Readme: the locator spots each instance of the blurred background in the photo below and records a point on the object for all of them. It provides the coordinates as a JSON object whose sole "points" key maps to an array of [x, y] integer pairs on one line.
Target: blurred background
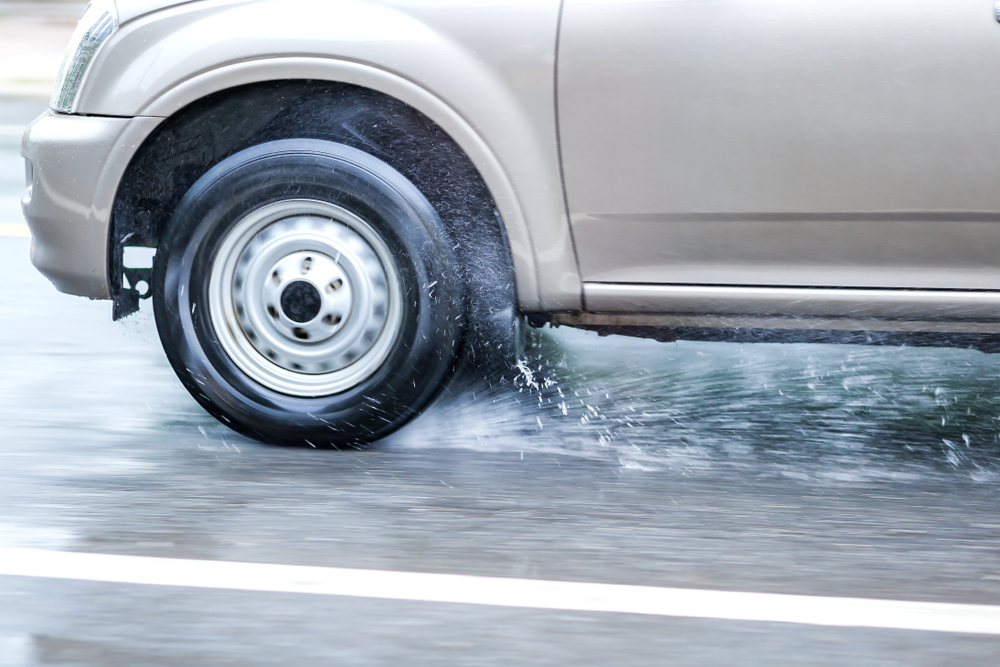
{"points": [[871, 472], [34, 35]]}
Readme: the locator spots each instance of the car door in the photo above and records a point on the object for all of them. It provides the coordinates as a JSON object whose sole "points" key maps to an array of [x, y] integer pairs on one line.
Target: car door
{"points": [[783, 142]]}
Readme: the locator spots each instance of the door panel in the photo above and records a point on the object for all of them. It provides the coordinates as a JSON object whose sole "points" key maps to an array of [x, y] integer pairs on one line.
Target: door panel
{"points": [[783, 142]]}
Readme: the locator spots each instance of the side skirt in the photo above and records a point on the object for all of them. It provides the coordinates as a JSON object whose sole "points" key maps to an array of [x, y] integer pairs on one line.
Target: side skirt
{"points": [[938, 318]]}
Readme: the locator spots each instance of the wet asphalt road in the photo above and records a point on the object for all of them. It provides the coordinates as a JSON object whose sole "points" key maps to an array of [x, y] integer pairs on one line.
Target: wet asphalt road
{"points": [[826, 470]]}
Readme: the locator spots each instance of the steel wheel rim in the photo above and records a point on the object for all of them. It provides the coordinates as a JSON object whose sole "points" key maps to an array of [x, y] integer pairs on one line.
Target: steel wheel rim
{"points": [[347, 287]]}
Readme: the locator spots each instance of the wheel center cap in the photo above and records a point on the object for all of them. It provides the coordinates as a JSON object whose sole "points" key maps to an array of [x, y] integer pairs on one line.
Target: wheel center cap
{"points": [[301, 301]]}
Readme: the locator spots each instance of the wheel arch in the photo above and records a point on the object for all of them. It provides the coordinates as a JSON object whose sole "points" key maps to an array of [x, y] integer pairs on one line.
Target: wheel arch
{"points": [[204, 125], [536, 290]]}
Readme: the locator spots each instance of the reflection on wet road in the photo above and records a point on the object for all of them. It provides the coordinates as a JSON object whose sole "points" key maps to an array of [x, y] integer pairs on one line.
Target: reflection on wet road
{"points": [[812, 470]]}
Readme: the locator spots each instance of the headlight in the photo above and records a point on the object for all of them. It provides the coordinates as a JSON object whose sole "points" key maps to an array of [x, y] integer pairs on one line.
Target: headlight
{"points": [[98, 23]]}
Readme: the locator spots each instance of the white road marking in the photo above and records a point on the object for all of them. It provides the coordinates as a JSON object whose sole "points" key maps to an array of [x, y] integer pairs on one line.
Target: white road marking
{"points": [[14, 229], [503, 592]]}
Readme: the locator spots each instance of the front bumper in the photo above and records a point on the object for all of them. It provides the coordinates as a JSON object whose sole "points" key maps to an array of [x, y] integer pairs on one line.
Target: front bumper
{"points": [[75, 164]]}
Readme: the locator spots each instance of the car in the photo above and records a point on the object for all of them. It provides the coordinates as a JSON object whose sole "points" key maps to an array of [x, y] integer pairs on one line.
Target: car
{"points": [[331, 202]]}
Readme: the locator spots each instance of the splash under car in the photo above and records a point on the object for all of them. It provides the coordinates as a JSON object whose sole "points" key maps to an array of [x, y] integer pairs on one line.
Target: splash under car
{"points": [[343, 197]]}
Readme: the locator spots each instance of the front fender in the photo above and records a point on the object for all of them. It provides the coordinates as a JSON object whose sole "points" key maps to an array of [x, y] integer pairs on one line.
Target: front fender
{"points": [[483, 71]]}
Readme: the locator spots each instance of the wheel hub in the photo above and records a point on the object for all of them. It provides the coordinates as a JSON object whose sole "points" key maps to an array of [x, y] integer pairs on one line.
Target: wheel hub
{"points": [[308, 296], [300, 301]]}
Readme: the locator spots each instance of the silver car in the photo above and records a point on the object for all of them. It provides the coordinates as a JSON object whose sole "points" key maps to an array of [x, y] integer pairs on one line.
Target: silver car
{"points": [[347, 197]]}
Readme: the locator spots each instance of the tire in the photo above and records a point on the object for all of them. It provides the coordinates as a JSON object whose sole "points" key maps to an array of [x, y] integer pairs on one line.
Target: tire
{"points": [[305, 292]]}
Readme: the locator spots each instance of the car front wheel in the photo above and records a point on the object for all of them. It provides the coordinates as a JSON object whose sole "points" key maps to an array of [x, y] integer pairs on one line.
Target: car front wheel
{"points": [[306, 292]]}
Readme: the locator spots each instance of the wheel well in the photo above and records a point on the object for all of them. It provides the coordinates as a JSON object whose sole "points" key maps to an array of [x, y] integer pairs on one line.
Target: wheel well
{"points": [[189, 143]]}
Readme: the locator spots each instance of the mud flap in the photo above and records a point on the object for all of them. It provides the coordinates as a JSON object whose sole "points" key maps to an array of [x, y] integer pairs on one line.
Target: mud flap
{"points": [[126, 301]]}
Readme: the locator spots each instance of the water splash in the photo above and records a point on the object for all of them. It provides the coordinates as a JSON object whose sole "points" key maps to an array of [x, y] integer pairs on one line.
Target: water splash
{"points": [[832, 413]]}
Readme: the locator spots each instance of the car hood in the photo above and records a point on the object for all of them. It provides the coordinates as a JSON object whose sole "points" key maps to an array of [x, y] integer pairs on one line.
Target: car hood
{"points": [[130, 9]]}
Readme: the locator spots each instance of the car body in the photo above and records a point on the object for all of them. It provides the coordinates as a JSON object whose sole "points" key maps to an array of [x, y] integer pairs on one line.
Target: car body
{"points": [[669, 168]]}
